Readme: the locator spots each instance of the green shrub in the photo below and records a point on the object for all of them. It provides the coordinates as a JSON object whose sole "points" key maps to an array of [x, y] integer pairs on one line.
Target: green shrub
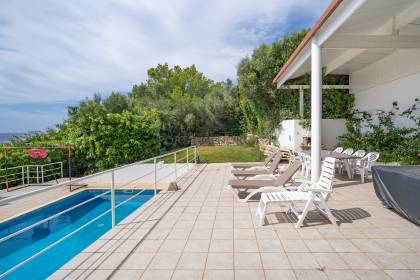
{"points": [[395, 144]]}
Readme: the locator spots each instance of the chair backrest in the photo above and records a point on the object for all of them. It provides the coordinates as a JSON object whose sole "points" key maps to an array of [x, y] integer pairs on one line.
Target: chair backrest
{"points": [[348, 151], [338, 150], [276, 161], [370, 158], [359, 153], [326, 178]]}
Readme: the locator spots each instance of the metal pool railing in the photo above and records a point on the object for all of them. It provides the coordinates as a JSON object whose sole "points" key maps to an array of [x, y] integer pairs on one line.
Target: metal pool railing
{"points": [[32, 173], [172, 169]]}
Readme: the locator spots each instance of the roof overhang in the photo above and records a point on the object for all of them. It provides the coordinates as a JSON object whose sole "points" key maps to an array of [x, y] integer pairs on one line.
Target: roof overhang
{"points": [[355, 33]]}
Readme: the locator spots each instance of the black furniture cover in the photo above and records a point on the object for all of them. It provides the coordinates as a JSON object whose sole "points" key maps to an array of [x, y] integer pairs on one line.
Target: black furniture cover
{"points": [[398, 187]]}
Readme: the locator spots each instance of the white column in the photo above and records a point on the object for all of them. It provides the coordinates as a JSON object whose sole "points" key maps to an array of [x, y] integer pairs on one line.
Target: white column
{"points": [[301, 104], [316, 109]]}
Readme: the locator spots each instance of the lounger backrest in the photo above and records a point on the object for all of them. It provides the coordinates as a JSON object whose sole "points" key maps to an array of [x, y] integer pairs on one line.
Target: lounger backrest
{"points": [[287, 174], [338, 150], [269, 158], [275, 163], [325, 181]]}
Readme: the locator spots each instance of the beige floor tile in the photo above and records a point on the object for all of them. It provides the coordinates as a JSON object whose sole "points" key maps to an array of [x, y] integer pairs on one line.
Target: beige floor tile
{"points": [[343, 246], [302, 261], [270, 246], [148, 246], [222, 234], [372, 274], [330, 261], [219, 261], [128, 274], [392, 246], [288, 234], [341, 275], [387, 260], [192, 261], [309, 234], [201, 234], [137, 261], [411, 260], [358, 261], [249, 274], [179, 234], [244, 234], [294, 245], [267, 234], [402, 274], [280, 275], [164, 261], [197, 246], [318, 245], [367, 245], [245, 246], [275, 261], [330, 233], [172, 246], [221, 246], [187, 275], [157, 274], [219, 274], [112, 261], [310, 274], [247, 261]]}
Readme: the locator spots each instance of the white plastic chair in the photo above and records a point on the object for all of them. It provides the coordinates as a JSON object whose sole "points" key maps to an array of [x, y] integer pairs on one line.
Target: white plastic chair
{"points": [[338, 150], [316, 194], [363, 166], [306, 164], [360, 154]]}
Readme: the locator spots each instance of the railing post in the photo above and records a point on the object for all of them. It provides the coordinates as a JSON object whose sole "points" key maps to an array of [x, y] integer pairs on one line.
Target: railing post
{"points": [[62, 171], [154, 164], [188, 161], [27, 174], [37, 174], [42, 173], [195, 154], [175, 166], [113, 199], [23, 175]]}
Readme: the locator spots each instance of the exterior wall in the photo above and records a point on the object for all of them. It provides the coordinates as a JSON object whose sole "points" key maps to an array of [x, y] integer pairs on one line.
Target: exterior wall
{"points": [[396, 77], [290, 133]]}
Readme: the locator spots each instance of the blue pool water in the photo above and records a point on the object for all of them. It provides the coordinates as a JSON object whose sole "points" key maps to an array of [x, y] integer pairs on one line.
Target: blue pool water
{"points": [[19, 248]]}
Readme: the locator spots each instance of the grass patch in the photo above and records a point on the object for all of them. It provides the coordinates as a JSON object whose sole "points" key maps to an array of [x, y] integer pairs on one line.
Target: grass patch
{"points": [[240, 153]]}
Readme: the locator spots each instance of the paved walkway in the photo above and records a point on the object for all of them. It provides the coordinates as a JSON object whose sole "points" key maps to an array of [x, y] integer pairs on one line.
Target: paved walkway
{"points": [[201, 232]]}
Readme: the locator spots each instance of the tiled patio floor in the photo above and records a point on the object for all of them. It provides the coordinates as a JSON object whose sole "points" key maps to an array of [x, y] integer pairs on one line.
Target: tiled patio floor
{"points": [[201, 232]]}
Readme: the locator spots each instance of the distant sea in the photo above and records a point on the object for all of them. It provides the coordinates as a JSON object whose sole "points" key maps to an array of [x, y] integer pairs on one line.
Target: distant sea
{"points": [[6, 137]]}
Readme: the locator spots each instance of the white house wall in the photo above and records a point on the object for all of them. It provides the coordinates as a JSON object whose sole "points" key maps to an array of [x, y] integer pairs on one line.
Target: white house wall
{"points": [[290, 133], [393, 78]]}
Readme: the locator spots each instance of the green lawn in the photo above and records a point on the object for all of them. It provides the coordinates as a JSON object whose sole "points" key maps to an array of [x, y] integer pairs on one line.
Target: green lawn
{"points": [[240, 153]]}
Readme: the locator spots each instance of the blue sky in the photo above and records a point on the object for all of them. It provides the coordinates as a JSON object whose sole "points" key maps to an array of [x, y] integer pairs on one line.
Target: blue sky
{"points": [[54, 53]]}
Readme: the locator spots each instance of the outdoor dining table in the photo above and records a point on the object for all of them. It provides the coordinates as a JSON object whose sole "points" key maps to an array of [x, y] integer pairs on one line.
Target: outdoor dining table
{"points": [[345, 158]]}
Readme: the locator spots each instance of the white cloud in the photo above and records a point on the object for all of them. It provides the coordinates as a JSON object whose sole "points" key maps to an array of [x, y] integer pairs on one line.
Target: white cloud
{"points": [[65, 50]]}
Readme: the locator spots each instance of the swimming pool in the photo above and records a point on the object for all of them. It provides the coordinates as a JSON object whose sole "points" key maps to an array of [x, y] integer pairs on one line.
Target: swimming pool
{"points": [[24, 245]]}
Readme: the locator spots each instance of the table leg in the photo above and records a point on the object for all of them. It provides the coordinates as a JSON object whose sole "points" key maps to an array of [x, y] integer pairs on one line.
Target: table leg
{"points": [[347, 166]]}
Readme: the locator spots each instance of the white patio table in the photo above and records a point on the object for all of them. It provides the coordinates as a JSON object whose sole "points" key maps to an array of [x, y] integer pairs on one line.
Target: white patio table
{"points": [[345, 158]]}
